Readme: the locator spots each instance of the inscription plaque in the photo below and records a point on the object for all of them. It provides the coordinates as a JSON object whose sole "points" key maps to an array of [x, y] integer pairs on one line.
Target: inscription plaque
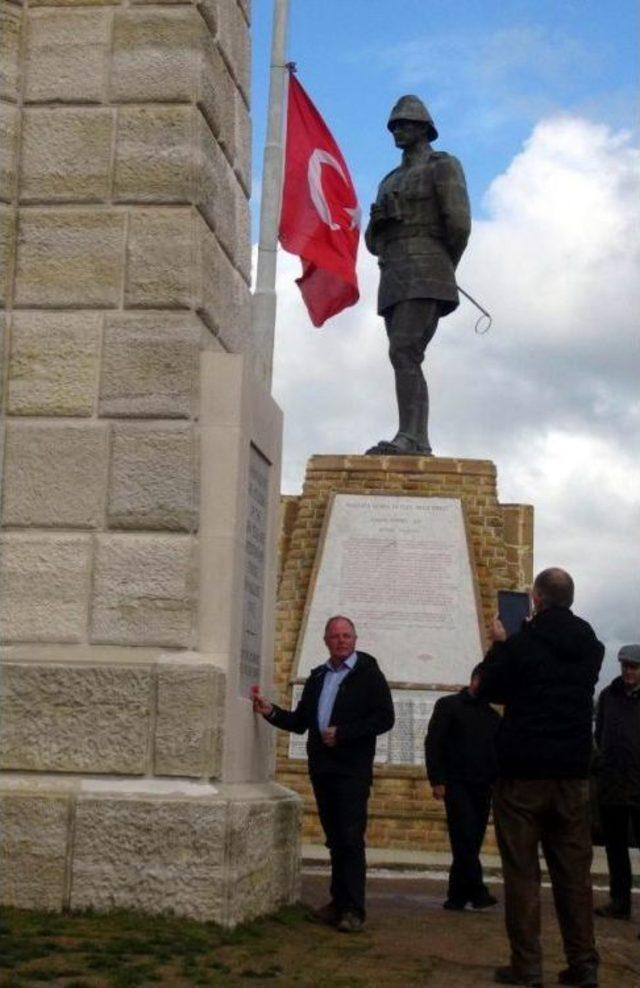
{"points": [[254, 570], [404, 744], [400, 568]]}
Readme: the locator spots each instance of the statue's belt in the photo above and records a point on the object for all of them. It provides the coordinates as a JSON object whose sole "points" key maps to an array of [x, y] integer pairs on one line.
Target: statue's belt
{"points": [[412, 243]]}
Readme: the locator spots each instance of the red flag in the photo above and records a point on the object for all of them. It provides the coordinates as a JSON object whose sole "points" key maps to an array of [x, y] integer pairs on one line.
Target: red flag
{"points": [[320, 216]]}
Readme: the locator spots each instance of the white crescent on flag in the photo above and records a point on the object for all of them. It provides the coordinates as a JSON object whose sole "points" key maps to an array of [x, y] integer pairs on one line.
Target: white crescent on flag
{"points": [[317, 159]]}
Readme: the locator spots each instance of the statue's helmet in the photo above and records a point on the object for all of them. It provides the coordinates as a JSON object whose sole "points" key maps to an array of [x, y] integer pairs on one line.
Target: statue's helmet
{"points": [[412, 108]]}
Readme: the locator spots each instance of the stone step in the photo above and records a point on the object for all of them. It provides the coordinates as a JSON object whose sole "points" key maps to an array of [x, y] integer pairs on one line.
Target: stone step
{"points": [[401, 860], [219, 852]]}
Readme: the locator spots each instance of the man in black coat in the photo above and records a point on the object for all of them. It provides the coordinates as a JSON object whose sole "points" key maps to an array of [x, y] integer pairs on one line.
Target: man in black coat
{"points": [[461, 765], [618, 742], [345, 704], [545, 676]]}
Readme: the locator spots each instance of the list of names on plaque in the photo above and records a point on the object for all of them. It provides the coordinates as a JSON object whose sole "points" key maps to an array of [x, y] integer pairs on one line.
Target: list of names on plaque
{"points": [[400, 568], [404, 743], [254, 571]]}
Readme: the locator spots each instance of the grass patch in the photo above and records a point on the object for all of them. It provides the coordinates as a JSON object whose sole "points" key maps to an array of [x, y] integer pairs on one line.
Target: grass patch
{"points": [[292, 915], [123, 949]]}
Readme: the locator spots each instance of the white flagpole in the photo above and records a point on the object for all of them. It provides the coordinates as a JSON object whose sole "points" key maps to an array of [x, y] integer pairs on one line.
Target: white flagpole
{"points": [[263, 303]]}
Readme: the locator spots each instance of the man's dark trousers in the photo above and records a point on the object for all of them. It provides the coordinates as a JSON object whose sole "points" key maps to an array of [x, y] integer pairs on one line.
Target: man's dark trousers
{"points": [[342, 807], [553, 812], [617, 822], [467, 805]]}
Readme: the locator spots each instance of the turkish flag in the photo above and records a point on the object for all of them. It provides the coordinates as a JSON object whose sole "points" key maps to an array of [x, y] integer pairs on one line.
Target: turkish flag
{"points": [[320, 216]]}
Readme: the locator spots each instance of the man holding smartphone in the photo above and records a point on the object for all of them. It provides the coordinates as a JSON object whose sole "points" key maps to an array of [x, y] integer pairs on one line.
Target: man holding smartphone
{"points": [[545, 676]]}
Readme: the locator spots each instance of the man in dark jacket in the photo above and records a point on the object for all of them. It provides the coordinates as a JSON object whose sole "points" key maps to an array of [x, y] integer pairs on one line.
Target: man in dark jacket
{"points": [[618, 742], [461, 765], [545, 676], [345, 704]]}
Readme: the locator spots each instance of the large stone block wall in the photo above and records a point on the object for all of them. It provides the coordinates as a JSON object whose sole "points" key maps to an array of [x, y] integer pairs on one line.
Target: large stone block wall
{"points": [[133, 773], [126, 251], [402, 813], [99, 710]]}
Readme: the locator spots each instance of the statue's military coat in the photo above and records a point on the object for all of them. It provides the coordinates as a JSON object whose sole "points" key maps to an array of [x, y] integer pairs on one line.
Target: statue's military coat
{"points": [[419, 229]]}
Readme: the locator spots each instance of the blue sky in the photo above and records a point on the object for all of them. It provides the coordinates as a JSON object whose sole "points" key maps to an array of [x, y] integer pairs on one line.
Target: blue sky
{"points": [[537, 100], [487, 70]]}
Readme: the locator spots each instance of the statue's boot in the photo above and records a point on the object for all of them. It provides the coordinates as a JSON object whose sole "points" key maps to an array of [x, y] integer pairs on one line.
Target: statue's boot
{"points": [[400, 445]]}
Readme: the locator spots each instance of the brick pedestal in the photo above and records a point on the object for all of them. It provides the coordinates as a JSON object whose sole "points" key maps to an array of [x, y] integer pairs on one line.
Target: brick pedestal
{"points": [[402, 813]]}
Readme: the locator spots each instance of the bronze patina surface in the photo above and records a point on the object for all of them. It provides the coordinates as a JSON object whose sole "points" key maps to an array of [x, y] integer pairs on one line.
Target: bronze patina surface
{"points": [[419, 228]]}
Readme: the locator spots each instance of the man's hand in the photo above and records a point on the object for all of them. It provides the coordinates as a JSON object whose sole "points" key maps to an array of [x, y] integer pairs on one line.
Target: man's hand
{"points": [[496, 631], [260, 704], [438, 792], [329, 737]]}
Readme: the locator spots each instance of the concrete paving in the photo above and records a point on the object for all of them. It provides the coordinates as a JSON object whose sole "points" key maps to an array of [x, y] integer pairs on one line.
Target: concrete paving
{"points": [[410, 940]]}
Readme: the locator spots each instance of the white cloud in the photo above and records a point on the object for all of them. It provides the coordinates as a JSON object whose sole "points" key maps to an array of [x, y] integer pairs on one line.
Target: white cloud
{"points": [[550, 394], [567, 208]]}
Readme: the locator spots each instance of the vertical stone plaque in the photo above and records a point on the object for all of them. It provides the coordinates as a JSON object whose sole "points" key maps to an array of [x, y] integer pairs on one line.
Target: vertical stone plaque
{"points": [[254, 573]]}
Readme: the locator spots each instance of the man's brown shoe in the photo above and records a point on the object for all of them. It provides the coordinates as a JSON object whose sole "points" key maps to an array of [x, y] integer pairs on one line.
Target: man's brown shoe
{"points": [[351, 923], [329, 914]]}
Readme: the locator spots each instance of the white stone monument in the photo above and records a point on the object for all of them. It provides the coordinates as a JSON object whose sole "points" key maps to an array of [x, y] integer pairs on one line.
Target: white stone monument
{"points": [[141, 472], [400, 567]]}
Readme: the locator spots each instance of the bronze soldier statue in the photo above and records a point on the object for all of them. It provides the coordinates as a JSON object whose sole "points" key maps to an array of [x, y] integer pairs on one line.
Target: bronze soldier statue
{"points": [[419, 227]]}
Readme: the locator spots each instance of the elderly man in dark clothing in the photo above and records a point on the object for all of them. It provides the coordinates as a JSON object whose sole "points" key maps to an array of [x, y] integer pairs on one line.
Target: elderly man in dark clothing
{"points": [[461, 765], [618, 742], [545, 676], [345, 704]]}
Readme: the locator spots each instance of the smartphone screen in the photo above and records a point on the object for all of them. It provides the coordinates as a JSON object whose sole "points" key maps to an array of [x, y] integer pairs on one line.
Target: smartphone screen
{"points": [[513, 607]]}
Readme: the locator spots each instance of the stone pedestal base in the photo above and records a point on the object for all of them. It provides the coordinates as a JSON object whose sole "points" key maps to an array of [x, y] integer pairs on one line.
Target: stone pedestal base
{"points": [[402, 813], [211, 852]]}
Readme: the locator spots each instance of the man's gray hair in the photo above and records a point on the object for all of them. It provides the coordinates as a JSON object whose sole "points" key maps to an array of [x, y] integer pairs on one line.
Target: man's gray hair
{"points": [[555, 587], [339, 617]]}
